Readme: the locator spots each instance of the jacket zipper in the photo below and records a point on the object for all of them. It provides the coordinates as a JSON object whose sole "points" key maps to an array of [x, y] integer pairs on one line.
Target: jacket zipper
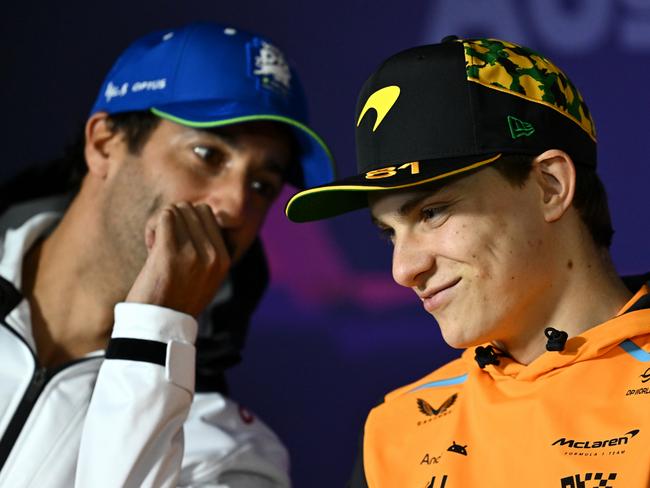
{"points": [[40, 379]]}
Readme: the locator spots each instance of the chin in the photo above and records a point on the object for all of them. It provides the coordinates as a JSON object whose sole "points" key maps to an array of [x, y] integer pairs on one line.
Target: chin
{"points": [[459, 337]]}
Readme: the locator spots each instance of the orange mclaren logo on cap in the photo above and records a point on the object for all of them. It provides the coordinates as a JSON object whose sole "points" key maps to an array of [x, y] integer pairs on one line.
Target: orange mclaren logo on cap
{"points": [[382, 101]]}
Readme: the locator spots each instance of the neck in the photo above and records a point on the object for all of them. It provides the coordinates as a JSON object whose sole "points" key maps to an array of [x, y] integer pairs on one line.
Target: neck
{"points": [[585, 292], [71, 283]]}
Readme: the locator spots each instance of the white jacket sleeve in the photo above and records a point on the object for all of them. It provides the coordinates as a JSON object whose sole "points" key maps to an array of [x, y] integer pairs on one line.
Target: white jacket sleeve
{"points": [[226, 446], [133, 432], [145, 428]]}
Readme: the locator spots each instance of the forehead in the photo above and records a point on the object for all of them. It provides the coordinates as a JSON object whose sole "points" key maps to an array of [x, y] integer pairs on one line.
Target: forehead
{"points": [[262, 128], [273, 131]]}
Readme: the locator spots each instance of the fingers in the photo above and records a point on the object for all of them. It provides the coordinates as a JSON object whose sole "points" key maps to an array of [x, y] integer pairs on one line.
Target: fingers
{"points": [[213, 232], [188, 260], [195, 230], [169, 232], [190, 229]]}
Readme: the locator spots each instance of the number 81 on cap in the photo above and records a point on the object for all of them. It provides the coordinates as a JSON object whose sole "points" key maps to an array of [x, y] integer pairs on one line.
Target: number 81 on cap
{"points": [[389, 171]]}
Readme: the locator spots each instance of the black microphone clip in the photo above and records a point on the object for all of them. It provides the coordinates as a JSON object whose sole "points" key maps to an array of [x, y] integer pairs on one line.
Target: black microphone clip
{"points": [[556, 339], [485, 356]]}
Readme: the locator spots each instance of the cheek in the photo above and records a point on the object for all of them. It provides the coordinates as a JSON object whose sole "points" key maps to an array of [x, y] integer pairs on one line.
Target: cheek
{"points": [[459, 240], [253, 224], [499, 251], [185, 185], [472, 241], [244, 236]]}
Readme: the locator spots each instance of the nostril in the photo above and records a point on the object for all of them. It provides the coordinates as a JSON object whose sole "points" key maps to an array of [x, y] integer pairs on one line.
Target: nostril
{"points": [[231, 213], [220, 217]]}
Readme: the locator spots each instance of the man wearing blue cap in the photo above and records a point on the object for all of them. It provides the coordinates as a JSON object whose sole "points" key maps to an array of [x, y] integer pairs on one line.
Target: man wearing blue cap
{"points": [[103, 381]]}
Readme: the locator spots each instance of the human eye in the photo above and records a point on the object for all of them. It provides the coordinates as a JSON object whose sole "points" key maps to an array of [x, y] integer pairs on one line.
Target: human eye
{"points": [[433, 213], [386, 234], [208, 154], [203, 152], [266, 188]]}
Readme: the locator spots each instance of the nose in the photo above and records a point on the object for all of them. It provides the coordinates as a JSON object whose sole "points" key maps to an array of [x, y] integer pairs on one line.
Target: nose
{"points": [[413, 262], [229, 201]]}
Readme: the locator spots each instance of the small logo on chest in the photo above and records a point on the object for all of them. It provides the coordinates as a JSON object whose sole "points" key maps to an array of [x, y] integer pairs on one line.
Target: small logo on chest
{"points": [[428, 459], [589, 480], [428, 410]]}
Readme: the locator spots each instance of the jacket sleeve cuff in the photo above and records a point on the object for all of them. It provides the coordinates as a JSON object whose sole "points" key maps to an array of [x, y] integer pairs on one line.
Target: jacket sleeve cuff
{"points": [[154, 323], [157, 335]]}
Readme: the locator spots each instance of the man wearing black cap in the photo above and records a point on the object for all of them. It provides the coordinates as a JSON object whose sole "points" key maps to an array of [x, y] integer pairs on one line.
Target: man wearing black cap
{"points": [[192, 136], [477, 160]]}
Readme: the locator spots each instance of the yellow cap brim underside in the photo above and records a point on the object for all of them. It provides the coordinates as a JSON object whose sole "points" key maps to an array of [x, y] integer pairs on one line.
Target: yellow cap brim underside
{"points": [[329, 201]]}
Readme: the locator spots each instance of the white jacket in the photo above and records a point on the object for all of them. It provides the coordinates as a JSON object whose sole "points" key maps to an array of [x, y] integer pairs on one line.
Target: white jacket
{"points": [[127, 418]]}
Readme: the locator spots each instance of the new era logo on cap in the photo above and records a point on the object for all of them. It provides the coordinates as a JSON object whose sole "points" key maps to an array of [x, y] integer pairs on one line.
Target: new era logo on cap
{"points": [[519, 128]]}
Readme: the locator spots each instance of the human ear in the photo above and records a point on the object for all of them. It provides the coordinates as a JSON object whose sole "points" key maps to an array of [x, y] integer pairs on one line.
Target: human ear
{"points": [[102, 141], [556, 176]]}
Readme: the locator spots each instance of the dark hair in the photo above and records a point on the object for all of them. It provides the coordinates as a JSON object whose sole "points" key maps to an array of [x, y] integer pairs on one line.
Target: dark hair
{"points": [[64, 175], [136, 127], [590, 199]]}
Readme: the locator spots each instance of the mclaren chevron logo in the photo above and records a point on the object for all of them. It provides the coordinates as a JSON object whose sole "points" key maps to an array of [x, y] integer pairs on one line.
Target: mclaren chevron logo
{"points": [[382, 101]]}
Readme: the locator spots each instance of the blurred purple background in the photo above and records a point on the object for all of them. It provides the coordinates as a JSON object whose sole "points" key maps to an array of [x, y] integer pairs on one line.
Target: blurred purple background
{"points": [[334, 333]]}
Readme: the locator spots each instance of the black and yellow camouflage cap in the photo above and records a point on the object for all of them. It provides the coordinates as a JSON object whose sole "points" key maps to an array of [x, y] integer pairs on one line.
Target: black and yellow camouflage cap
{"points": [[438, 110]]}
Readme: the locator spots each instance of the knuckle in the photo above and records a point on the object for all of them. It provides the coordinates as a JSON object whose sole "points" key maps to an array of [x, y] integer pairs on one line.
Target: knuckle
{"points": [[203, 207], [211, 255], [188, 253], [167, 213]]}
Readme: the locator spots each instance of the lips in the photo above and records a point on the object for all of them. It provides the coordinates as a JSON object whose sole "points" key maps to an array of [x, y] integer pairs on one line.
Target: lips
{"points": [[434, 298]]}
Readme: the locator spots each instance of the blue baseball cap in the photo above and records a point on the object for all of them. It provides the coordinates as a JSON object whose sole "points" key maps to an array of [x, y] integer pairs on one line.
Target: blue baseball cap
{"points": [[206, 75]]}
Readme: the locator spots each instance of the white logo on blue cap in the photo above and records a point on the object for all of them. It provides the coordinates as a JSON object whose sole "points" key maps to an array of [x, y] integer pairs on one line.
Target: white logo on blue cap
{"points": [[113, 90], [151, 85], [272, 67]]}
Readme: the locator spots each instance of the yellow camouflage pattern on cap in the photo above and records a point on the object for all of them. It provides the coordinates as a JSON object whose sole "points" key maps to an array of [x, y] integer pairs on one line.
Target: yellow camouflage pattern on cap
{"points": [[517, 70]]}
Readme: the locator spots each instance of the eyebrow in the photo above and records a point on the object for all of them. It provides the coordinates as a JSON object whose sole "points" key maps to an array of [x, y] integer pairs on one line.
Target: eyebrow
{"points": [[231, 142], [275, 167], [406, 207], [413, 202], [222, 137]]}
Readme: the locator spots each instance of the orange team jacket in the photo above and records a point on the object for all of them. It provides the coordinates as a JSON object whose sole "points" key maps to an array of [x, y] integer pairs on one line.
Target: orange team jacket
{"points": [[579, 418]]}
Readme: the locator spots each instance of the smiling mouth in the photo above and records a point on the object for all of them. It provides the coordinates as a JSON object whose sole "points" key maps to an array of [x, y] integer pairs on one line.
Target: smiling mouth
{"points": [[441, 289], [439, 296]]}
